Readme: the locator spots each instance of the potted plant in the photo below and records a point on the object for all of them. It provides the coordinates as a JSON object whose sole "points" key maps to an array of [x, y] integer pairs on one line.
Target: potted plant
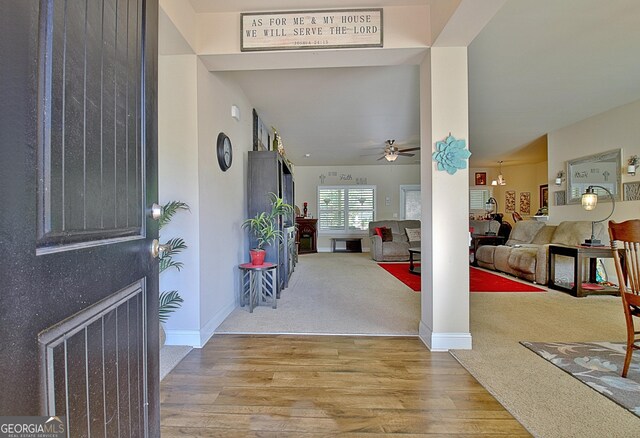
{"points": [[265, 227], [170, 301]]}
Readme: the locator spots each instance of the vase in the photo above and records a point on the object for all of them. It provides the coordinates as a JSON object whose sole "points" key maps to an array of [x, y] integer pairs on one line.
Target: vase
{"points": [[162, 336], [257, 256]]}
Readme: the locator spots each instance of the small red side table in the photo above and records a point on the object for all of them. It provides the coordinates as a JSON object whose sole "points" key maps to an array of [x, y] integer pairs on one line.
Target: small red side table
{"points": [[258, 283]]}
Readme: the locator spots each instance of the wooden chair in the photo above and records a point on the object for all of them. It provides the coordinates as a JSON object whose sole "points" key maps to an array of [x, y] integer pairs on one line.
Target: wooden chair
{"points": [[625, 243]]}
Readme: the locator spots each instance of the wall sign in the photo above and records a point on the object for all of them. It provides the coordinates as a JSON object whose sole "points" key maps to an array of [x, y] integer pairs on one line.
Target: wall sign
{"points": [[323, 29]]}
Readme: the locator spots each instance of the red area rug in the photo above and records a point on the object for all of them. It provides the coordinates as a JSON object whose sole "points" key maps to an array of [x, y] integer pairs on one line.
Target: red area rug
{"points": [[479, 280]]}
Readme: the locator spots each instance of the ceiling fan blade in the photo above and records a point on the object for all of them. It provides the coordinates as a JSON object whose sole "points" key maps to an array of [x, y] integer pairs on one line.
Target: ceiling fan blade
{"points": [[380, 158], [404, 154], [409, 149]]}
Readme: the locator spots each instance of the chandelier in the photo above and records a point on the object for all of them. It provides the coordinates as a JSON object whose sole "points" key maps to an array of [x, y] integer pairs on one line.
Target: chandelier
{"points": [[501, 181]]}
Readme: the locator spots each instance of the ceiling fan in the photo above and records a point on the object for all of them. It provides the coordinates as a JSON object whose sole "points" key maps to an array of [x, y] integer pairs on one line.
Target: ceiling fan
{"points": [[391, 151]]}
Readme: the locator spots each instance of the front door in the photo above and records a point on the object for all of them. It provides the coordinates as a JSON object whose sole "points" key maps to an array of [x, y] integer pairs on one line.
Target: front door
{"points": [[78, 174]]}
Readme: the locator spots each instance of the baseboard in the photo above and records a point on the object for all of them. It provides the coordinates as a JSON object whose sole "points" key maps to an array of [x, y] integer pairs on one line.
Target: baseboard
{"points": [[328, 249], [444, 341], [183, 337], [209, 329], [198, 338]]}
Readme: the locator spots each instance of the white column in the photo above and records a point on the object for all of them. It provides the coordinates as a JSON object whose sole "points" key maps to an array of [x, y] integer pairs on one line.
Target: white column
{"points": [[445, 211]]}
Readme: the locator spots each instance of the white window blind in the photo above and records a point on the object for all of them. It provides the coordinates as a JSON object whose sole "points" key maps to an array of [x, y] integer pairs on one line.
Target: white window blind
{"points": [[410, 202], [345, 208], [477, 199]]}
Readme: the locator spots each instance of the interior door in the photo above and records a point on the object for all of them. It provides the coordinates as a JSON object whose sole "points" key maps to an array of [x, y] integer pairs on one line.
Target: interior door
{"points": [[78, 174]]}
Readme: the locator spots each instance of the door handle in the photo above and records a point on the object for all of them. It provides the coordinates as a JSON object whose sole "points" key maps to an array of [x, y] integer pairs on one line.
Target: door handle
{"points": [[156, 211], [158, 250]]}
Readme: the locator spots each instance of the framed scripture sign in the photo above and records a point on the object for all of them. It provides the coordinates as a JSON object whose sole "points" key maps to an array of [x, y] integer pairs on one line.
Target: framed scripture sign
{"points": [[320, 29]]}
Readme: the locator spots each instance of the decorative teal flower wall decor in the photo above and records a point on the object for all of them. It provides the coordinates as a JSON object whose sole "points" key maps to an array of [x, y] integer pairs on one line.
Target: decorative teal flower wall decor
{"points": [[451, 155]]}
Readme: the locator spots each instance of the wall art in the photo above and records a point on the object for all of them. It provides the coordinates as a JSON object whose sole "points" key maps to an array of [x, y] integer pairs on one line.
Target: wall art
{"points": [[632, 191], [560, 197], [602, 169], [481, 178], [510, 201], [525, 203], [451, 155]]}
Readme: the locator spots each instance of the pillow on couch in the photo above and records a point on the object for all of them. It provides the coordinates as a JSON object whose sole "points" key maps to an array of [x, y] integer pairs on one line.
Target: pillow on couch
{"points": [[413, 234], [387, 235], [384, 233]]}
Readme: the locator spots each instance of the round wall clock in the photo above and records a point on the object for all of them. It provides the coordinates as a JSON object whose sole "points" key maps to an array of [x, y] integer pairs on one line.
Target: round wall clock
{"points": [[224, 151]]}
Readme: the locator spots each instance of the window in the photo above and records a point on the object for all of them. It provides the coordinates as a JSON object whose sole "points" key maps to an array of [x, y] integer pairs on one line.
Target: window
{"points": [[410, 202], [477, 199], [345, 208]]}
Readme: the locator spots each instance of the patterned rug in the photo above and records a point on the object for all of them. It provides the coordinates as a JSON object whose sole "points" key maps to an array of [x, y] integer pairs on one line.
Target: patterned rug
{"points": [[598, 365]]}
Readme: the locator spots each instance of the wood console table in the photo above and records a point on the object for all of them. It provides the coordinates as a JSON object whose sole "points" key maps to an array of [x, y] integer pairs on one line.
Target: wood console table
{"points": [[307, 235], [580, 288]]}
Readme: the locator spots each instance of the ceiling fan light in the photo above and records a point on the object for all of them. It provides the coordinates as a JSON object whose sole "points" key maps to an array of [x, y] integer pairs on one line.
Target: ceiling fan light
{"points": [[391, 157]]}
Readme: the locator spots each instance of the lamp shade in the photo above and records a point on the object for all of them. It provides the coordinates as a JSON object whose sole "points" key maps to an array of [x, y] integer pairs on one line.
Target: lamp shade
{"points": [[391, 157], [589, 199], [589, 202], [491, 205]]}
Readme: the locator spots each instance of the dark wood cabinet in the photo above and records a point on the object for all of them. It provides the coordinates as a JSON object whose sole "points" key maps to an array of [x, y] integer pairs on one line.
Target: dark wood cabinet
{"points": [[307, 235], [269, 172]]}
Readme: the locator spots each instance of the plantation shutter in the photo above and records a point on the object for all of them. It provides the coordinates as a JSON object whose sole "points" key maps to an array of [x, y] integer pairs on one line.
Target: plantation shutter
{"points": [[477, 199], [331, 214], [345, 208], [360, 207]]}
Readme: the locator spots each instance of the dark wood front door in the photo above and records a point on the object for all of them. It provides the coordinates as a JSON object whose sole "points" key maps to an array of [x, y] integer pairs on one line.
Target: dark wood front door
{"points": [[78, 174]]}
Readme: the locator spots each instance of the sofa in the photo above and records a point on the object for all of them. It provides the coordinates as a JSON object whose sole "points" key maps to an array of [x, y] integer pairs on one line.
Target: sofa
{"points": [[526, 254], [396, 249]]}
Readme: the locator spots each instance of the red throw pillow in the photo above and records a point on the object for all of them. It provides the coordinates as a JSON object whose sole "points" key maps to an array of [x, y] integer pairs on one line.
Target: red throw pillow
{"points": [[387, 235], [378, 231]]}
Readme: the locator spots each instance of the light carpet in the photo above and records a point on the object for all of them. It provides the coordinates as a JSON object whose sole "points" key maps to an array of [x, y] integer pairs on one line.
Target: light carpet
{"points": [[545, 399], [334, 293], [170, 356]]}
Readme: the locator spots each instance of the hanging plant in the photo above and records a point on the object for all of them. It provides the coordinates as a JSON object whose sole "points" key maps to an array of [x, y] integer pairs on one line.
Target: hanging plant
{"points": [[451, 155]]}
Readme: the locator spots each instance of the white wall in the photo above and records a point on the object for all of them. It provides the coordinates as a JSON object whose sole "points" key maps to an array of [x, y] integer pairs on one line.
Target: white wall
{"points": [[387, 178], [178, 179], [194, 106], [616, 128], [223, 207]]}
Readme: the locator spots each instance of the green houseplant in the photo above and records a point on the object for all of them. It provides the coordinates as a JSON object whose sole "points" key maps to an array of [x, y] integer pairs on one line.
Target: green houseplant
{"points": [[264, 226], [170, 301]]}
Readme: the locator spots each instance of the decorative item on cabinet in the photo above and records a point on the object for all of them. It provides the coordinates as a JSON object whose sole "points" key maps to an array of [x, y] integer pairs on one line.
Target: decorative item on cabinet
{"points": [[307, 235], [304, 209]]}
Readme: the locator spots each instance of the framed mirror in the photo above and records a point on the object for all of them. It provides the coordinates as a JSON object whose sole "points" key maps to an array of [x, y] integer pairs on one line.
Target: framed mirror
{"points": [[603, 169]]}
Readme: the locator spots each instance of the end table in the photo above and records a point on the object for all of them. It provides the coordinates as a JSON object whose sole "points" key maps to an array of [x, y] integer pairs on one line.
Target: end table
{"points": [[258, 283]]}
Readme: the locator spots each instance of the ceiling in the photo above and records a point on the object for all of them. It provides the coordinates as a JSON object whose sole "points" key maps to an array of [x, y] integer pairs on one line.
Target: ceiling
{"points": [[537, 66]]}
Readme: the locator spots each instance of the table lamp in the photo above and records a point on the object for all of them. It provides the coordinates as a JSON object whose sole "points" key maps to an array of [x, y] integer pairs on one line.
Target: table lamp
{"points": [[589, 202], [490, 206]]}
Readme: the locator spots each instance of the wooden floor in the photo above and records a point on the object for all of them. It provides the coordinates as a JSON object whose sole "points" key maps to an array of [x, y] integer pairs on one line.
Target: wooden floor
{"points": [[316, 386]]}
